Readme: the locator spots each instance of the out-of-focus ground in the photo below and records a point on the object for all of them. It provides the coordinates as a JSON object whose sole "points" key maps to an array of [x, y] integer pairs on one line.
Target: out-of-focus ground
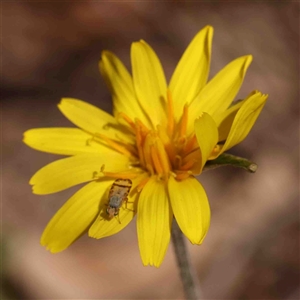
{"points": [[51, 50]]}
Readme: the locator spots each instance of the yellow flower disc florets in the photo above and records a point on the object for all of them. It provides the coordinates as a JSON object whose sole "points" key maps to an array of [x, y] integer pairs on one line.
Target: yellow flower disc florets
{"points": [[162, 152]]}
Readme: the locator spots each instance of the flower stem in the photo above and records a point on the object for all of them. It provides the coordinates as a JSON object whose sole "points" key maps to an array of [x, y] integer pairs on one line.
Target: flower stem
{"points": [[187, 273], [226, 159]]}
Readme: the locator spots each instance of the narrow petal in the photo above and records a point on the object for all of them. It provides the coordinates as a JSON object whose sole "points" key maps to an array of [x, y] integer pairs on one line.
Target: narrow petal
{"points": [[244, 121], [225, 119], [218, 94], [103, 227], [90, 118], [149, 81], [191, 208], [120, 84], [192, 70], [74, 217], [154, 222], [67, 172], [207, 136], [64, 141]]}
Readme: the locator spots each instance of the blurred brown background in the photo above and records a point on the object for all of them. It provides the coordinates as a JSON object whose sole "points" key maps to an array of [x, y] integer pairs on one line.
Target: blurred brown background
{"points": [[51, 50]]}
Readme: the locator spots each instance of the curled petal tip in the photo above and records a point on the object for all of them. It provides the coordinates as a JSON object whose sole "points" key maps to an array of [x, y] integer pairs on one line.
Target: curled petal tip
{"points": [[209, 28]]}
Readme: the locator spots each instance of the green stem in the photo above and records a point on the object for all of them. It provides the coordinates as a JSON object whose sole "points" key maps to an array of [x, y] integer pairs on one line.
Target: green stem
{"points": [[187, 273], [227, 159]]}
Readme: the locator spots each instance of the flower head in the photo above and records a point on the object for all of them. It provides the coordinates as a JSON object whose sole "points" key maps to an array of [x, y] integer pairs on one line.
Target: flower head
{"points": [[159, 137]]}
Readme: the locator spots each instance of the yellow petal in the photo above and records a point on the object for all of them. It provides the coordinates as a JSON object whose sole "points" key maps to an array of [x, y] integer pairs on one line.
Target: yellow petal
{"points": [[90, 118], [207, 137], [67, 172], [218, 94], [154, 222], [65, 141], [103, 227], [192, 70], [225, 119], [149, 81], [191, 208], [120, 84], [244, 121], [74, 217]]}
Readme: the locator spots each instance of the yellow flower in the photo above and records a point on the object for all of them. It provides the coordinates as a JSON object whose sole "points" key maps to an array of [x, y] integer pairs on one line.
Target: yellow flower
{"points": [[160, 136]]}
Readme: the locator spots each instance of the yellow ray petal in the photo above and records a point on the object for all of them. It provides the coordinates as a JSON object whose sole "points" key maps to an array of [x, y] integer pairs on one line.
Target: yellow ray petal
{"points": [[192, 70], [120, 84], [207, 137], [103, 227], [74, 217], [67, 172], [218, 94], [225, 119], [64, 141], [91, 118], [244, 121], [154, 222], [191, 208], [149, 81]]}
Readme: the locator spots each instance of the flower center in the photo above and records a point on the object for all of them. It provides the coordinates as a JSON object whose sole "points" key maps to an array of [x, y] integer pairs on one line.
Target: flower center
{"points": [[163, 152]]}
